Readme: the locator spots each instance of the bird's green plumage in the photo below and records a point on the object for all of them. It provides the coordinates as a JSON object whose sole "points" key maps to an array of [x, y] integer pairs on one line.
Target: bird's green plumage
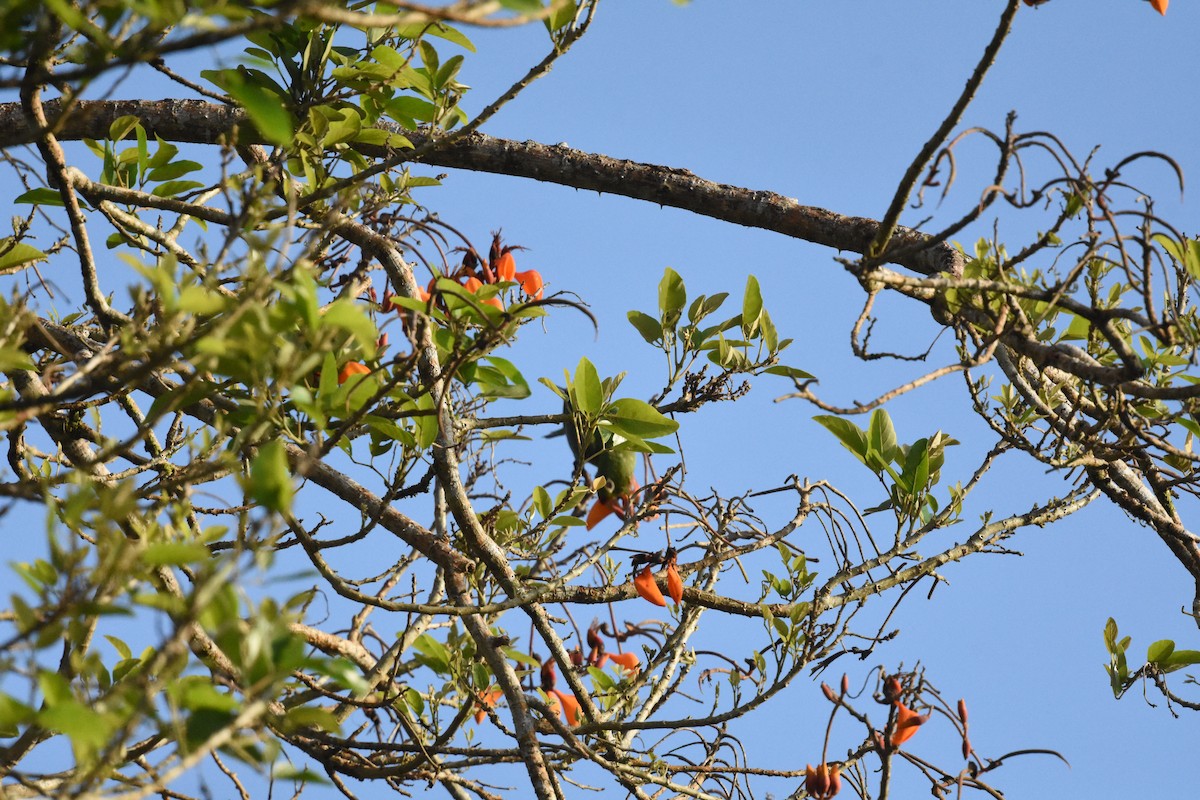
{"points": [[616, 468]]}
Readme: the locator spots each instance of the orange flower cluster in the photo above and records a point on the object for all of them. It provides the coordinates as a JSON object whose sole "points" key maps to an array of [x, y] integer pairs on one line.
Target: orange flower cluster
{"points": [[646, 583], [566, 703], [823, 782], [500, 267], [474, 273]]}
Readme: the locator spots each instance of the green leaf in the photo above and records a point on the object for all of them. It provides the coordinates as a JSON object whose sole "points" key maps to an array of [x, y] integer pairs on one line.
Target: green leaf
{"points": [[852, 437], [790, 372], [40, 197], [751, 307], [176, 169], [1160, 651], [882, 436], [586, 392], [672, 295], [172, 188], [15, 255], [121, 126], [310, 717], [432, 653], [501, 378], [87, 729], [542, 503], [122, 649], [1110, 635], [916, 465], [647, 326], [1180, 659], [349, 316], [174, 553], [562, 15], [639, 419], [12, 714], [263, 106], [270, 480]]}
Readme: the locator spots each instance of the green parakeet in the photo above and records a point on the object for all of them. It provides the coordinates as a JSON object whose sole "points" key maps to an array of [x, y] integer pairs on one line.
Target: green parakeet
{"points": [[616, 468]]}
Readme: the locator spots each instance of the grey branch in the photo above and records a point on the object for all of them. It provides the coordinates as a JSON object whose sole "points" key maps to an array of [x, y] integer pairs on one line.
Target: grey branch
{"points": [[201, 122]]}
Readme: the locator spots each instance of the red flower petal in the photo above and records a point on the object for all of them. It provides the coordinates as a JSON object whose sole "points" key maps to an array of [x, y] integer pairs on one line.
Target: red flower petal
{"points": [[531, 283], [674, 584], [569, 706], [628, 661], [907, 722], [599, 511], [352, 369], [488, 700], [647, 587], [506, 267]]}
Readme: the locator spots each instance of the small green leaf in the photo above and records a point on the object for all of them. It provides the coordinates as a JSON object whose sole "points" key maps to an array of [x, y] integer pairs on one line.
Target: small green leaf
{"points": [[174, 553], [173, 170], [751, 307], [1160, 651], [1180, 659], [270, 482], [13, 713], [852, 437], [647, 326], [15, 255], [790, 372], [639, 419], [882, 436], [40, 197], [1110, 635], [541, 502], [432, 653], [586, 392], [672, 295]]}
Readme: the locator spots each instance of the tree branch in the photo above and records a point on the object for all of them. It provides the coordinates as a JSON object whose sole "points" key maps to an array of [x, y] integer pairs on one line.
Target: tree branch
{"points": [[201, 122]]}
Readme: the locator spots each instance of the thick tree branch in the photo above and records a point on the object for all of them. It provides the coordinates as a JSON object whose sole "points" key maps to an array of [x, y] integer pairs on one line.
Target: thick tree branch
{"points": [[202, 122]]}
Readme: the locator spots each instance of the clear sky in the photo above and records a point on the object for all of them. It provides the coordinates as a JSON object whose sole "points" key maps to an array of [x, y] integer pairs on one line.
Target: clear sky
{"points": [[828, 102]]}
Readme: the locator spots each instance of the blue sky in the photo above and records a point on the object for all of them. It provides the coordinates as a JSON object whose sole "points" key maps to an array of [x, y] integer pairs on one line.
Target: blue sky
{"points": [[827, 102]]}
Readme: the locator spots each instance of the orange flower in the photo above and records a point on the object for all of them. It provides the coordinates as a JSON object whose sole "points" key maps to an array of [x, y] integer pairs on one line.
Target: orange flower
{"points": [[647, 587], [907, 722], [423, 295], [568, 706], [473, 285], [1160, 6], [601, 509], [351, 369], [674, 583], [627, 661], [488, 700], [531, 282], [506, 266], [823, 782]]}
